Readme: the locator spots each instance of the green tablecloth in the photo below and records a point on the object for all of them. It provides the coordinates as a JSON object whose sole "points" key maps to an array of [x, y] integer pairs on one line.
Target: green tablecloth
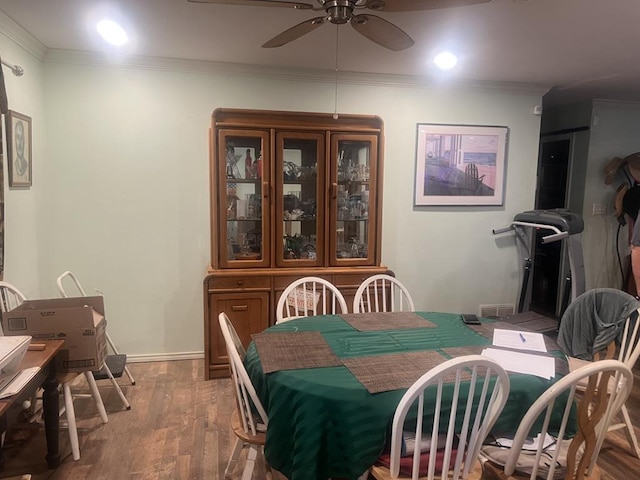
{"points": [[323, 423]]}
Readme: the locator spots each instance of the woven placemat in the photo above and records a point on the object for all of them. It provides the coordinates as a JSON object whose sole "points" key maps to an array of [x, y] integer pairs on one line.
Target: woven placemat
{"points": [[382, 373], [377, 321], [294, 350], [455, 352]]}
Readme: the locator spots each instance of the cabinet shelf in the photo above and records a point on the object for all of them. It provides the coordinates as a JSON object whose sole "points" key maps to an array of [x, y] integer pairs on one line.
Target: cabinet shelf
{"points": [[253, 181]]}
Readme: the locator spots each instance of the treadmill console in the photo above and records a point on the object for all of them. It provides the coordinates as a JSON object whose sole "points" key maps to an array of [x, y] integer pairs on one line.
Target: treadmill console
{"points": [[562, 219]]}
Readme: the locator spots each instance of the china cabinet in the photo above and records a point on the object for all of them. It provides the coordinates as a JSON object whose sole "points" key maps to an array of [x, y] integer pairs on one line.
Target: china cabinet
{"points": [[292, 195]]}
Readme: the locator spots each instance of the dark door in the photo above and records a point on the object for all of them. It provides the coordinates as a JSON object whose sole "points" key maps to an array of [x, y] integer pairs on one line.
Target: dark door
{"points": [[553, 167]]}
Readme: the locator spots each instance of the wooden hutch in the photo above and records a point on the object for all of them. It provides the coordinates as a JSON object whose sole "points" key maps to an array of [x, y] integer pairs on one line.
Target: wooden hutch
{"points": [[292, 195]]}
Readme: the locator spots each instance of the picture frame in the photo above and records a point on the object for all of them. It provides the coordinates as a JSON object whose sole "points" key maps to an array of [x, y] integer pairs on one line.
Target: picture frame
{"points": [[460, 164], [18, 129]]}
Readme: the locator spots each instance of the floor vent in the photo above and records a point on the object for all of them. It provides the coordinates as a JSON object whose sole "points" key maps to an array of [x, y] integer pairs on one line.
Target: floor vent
{"points": [[497, 311]]}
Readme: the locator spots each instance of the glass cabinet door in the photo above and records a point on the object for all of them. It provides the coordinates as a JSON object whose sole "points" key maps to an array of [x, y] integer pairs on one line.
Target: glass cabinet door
{"points": [[300, 199], [353, 199], [243, 191]]}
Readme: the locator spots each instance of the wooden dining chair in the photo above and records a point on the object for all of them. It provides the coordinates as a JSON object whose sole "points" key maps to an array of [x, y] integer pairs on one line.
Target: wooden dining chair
{"points": [[558, 453], [481, 388], [382, 293], [309, 296], [597, 307], [248, 424]]}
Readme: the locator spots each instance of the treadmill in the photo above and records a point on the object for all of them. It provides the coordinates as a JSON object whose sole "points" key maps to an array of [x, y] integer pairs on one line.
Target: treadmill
{"points": [[554, 225]]}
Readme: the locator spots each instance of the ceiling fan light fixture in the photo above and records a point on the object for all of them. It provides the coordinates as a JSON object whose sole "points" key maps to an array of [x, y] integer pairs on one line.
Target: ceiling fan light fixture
{"points": [[445, 60]]}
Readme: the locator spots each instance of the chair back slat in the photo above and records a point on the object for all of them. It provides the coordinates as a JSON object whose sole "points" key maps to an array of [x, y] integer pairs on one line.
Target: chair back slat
{"points": [[630, 340], [382, 293], [468, 414], [596, 407], [10, 297], [309, 296]]}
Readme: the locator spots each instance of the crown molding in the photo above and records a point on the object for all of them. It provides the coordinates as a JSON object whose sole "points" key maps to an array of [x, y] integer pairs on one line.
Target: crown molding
{"points": [[21, 37], [76, 57], [604, 102]]}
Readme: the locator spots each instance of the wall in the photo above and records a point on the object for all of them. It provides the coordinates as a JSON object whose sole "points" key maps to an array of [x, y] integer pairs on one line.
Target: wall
{"points": [[125, 186], [22, 228], [612, 132]]}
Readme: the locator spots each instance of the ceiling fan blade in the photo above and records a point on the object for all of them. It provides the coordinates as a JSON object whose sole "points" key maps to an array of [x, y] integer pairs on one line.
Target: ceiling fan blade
{"points": [[295, 32], [261, 3], [380, 31], [414, 5]]}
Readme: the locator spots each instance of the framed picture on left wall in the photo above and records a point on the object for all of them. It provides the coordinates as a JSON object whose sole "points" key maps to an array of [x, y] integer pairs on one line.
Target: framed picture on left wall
{"points": [[18, 128]]}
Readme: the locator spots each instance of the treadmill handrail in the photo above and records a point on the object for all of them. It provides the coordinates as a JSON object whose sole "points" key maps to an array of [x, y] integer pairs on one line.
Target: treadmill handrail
{"points": [[558, 235]]}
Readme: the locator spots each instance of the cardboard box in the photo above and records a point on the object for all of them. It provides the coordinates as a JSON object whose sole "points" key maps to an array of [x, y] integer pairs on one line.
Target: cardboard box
{"points": [[79, 321]]}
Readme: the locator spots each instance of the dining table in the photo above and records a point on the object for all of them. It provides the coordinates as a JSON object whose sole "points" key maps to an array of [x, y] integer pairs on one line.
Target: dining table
{"points": [[331, 383]]}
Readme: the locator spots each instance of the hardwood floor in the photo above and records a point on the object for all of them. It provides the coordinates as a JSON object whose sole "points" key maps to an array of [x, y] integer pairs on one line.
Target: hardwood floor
{"points": [[178, 428]]}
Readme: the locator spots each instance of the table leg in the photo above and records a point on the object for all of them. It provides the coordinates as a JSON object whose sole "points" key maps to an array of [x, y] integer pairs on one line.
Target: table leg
{"points": [[51, 407]]}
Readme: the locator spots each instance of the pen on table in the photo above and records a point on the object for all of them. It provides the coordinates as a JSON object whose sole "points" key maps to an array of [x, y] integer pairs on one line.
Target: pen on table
{"points": [[524, 340]]}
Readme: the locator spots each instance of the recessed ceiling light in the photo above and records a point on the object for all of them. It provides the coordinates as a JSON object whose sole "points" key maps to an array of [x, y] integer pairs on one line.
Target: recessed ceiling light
{"points": [[445, 60], [112, 33]]}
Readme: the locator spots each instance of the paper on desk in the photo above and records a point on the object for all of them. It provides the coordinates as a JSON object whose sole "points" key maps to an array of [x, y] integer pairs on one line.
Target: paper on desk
{"points": [[527, 363], [519, 340]]}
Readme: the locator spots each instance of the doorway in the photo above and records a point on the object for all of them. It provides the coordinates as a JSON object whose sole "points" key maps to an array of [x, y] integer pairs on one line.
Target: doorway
{"points": [[548, 272]]}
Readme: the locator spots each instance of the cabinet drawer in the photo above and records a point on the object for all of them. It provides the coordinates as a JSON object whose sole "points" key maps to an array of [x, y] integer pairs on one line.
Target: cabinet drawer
{"points": [[280, 283], [235, 283]]}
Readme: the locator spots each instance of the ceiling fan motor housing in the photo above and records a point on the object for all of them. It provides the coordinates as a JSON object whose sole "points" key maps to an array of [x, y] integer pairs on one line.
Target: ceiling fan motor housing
{"points": [[339, 11]]}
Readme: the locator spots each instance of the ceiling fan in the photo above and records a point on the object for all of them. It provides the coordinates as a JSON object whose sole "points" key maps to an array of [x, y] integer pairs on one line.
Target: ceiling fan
{"points": [[339, 12]]}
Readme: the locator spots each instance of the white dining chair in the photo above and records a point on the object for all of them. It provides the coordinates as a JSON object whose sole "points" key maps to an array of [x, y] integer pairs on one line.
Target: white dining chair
{"points": [[596, 307], [468, 417], [382, 293], [309, 296], [556, 451], [249, 420], [10, 297]]}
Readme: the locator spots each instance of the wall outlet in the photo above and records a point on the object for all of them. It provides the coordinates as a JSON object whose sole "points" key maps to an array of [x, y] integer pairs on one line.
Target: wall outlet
{"points": [[599, 208]]}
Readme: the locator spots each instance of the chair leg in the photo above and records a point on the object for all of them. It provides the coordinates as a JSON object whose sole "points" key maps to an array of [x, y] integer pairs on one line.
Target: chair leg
{"points": [[630, 431], [252, 454], [117, 387], [131, 379], [71, 421], [233, 458], [95, 393]]}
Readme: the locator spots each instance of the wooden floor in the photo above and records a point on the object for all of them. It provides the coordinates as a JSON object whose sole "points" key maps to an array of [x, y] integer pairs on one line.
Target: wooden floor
{"points": [[178, 428]]}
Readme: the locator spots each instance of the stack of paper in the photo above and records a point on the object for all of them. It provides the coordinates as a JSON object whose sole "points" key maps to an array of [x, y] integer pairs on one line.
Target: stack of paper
{"points": [[531, 364], [519, 340], [517, 362]]}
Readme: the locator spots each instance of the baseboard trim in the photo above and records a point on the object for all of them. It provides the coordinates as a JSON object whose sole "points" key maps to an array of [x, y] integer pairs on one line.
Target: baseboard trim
{"points": [[163, 357]]}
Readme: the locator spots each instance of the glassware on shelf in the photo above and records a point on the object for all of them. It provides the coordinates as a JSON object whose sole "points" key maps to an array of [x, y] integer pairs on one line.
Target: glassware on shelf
{"points": [[248, 165]]}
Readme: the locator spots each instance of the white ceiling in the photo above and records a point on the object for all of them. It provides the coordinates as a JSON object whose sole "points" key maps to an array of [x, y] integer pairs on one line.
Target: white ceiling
{"points": [[581, 48]]}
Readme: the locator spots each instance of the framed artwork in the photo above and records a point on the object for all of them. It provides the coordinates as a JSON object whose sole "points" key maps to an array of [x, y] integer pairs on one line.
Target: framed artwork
{"points": [[18, 128], [460, 164]]}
